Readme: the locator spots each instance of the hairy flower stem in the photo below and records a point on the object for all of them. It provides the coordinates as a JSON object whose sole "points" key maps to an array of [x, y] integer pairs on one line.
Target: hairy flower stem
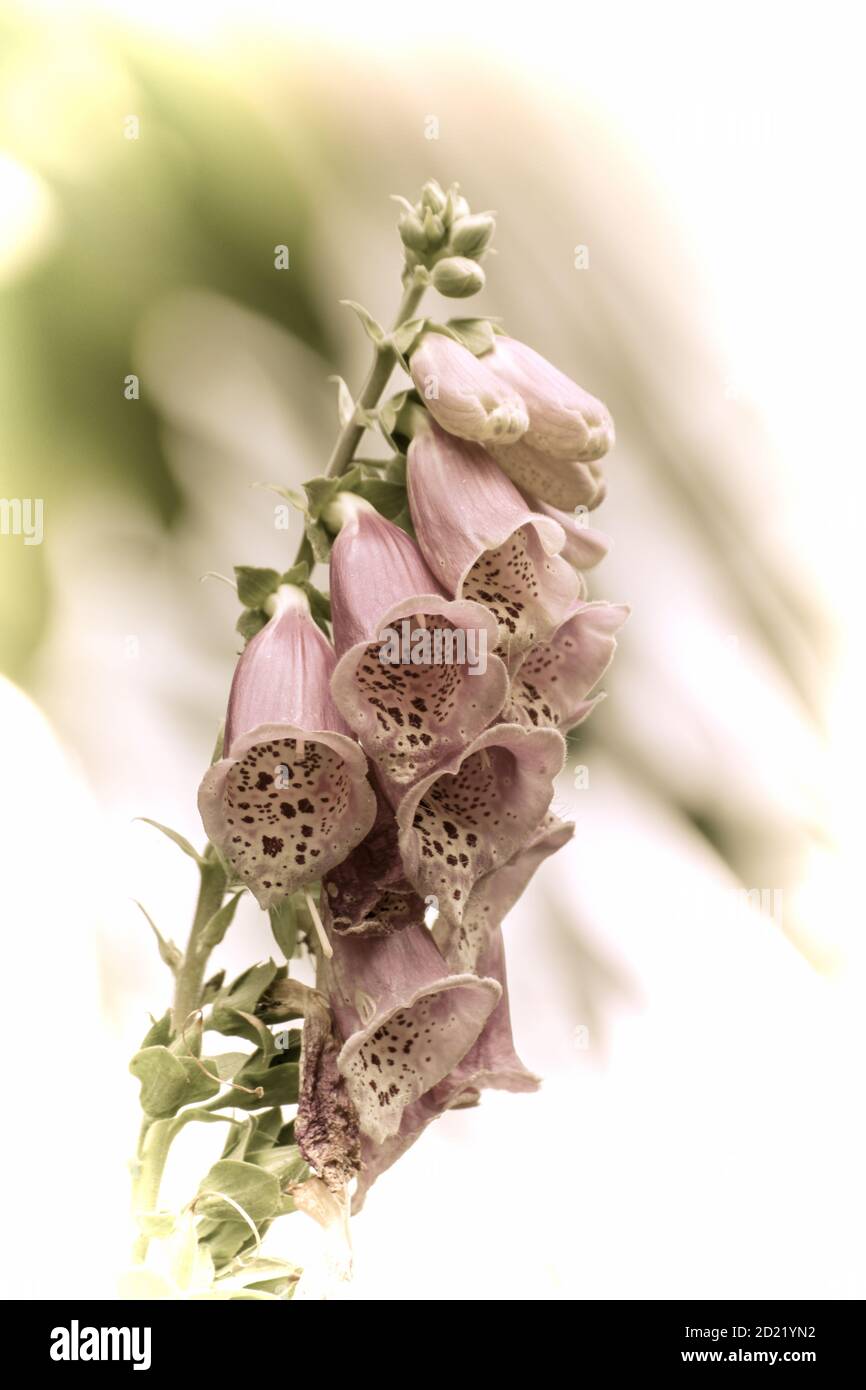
{"points": [[155, 1143], [350, 435], [189, 980], [377, 379]]}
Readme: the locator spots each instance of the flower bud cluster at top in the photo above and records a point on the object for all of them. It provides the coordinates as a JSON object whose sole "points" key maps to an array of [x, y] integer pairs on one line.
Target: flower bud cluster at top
{"points": [[443, 236]]}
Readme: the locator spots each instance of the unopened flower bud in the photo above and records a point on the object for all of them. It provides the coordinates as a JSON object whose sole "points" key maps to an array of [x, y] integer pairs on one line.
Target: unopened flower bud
{"points": [[470, 236], [432, 196], [456, 205], [412, 232], [434, 230], [457, 277]]}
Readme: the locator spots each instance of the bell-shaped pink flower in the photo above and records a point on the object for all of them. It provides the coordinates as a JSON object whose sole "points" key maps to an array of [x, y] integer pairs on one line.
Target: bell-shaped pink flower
{"points": [[492, 1062], [475, 813], [368, 894], [291, 797], [464, 395], [416, 678], [550, 687], [404, 1020], [482, 541]]}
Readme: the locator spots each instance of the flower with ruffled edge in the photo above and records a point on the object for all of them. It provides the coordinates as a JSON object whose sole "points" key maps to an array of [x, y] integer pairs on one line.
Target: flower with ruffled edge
{"points": [[585, 546], [492, 1062], [549, 688], [414, 679], [291, 798], [475, 813], [463, 395], [404, 1020], [482, 541]]}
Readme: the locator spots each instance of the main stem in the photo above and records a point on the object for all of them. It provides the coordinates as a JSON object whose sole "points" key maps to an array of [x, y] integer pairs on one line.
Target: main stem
{"points": [[189, 981], [377, 379]]}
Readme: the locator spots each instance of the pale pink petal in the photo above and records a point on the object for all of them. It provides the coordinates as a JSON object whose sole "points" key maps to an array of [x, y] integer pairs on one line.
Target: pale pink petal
{"points": [[463, 395], [473, 815], [287, 806], [565, 421], [405, 1021], [549, 688], [483, 542]]}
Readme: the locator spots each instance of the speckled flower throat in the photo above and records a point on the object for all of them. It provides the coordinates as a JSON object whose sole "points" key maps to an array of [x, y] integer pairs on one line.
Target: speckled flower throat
{"points": [[382, 787]]}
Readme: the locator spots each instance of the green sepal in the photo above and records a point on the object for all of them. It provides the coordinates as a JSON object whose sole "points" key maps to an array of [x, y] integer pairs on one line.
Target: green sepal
{"points": [[475, 334], [255, 586]]}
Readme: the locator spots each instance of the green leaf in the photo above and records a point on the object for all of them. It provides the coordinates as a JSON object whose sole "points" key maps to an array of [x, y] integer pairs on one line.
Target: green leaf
{"points": [[175, 838], [286, 1164], [168, 1082], [168, 952], [224, 1239], [250, 1187], [217, 926], [255, 586], [374, 330], [243, 993], [159, 1032], [257, 1032], [266, 1130], [279, 1083]]}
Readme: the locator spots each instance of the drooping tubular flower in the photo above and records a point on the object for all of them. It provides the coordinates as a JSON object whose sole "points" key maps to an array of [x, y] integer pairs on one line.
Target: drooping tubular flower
{"points": [[463, 943], [290, 798], [477, 945], [405, 1021], [550, 687], [482, 541], [473, 815], [556, 458], [368, 894], [416, 678], [463, 395]]}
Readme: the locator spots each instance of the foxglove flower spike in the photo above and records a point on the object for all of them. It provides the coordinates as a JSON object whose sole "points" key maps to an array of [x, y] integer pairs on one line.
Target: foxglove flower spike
{"points": [[291, 798]]}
